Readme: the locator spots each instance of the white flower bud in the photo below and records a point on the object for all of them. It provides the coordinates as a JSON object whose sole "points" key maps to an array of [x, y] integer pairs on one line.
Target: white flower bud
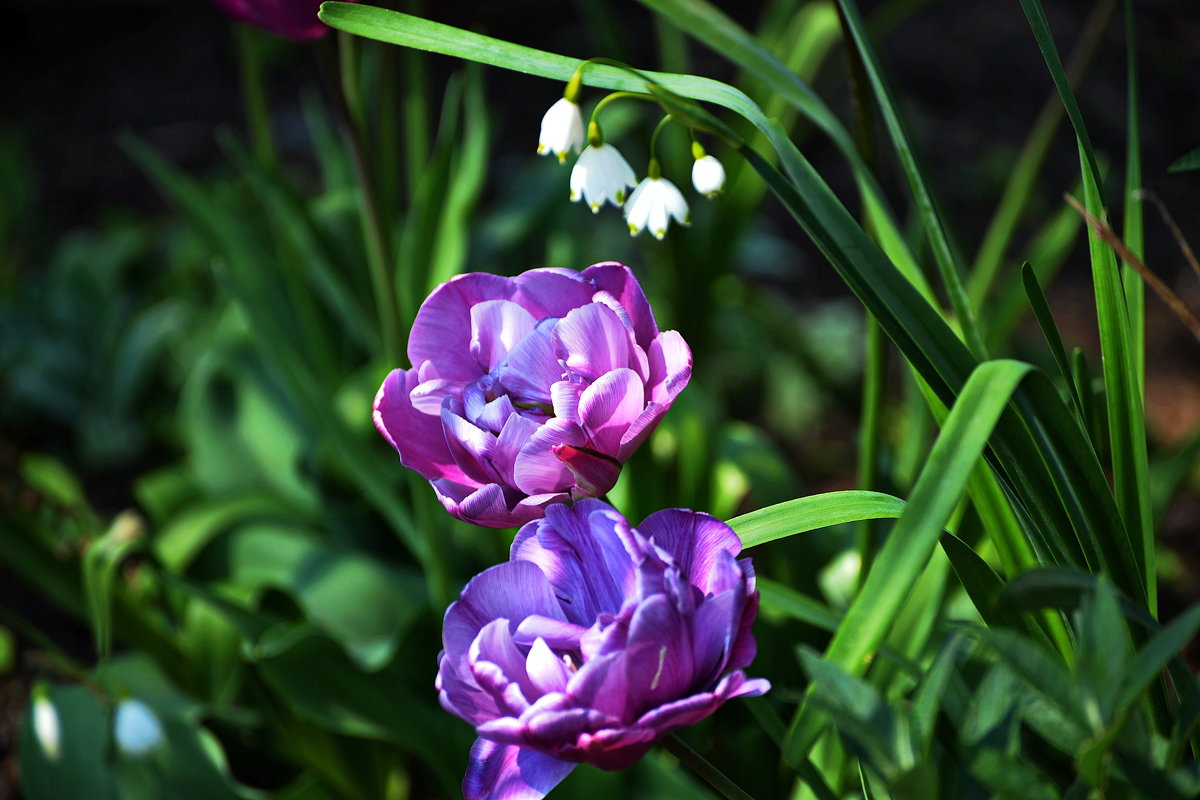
{"points": [[46, 726], [137, 729], [708, 176]]}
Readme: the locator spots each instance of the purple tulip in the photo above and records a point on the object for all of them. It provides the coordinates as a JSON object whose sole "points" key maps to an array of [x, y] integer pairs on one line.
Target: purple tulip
{"points": [[295, 19], [531, 390], [593, 642]]}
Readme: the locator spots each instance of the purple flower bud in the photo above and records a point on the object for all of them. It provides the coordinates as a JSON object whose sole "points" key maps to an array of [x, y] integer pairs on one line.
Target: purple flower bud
{"points": [[593, 642], [531, 390], [294, 19]]}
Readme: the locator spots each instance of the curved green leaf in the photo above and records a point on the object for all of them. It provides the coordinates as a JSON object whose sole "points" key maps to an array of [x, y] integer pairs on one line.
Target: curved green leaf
{"points": [[810, 513]]}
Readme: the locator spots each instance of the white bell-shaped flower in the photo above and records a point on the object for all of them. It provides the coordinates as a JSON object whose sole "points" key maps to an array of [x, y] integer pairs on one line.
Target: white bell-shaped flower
{"points": [[601, 174], [562, 129], [653, 203]]}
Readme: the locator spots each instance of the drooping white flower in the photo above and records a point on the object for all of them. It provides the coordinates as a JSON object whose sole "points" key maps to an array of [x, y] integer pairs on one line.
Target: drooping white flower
{"points": [[137, 729], [46, 726], [562, 129], [708, 176], [601, 174], [653, 203]]}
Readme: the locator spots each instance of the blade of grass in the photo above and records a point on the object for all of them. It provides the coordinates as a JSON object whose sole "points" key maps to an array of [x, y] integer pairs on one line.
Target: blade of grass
{"points": [[1045, 320], [1122, 388], [1028, 165], [907, 550], [1131, 281], [935, 232]]}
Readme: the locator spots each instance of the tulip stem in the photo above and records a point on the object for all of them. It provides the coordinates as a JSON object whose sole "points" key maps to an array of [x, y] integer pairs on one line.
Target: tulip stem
{"points": [[342, 77], [699, 765], [258, 121]]}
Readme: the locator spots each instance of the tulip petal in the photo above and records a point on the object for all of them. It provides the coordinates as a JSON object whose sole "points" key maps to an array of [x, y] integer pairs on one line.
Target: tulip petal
{"points": [[592, 341], [617, 748], [716, 623], [507, 772], [531, 366], [556, 633], [670, 367], [593, 570], [546, 671], [417, 437], [513, 590], [496, 326], [564, 396], [617, 281], [609, 406], [537, 469], [550, 291], [694, 540], [473, 449], [658, 654], [594, 473], [441, 332]]}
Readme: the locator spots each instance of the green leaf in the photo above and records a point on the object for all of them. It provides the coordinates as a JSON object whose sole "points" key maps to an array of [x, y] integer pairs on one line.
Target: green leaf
{"points": [[1185, 163], [1045, 41], [931, 221], [1062, 588], [325, 687], [916, 533], [860, 712], [1104, 650], [363, 603], [1123, 395], [1041, 671], [1045, 320], [85, 739], [806, 514], [929, 697], [100, 564], [1162, 648]]}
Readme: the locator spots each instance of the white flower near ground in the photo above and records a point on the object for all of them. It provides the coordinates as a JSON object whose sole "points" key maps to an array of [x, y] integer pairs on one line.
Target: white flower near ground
{"points": [[137, 729], [652, 205], [708, 176], [562, 130], [46, 727], [601, 174]]}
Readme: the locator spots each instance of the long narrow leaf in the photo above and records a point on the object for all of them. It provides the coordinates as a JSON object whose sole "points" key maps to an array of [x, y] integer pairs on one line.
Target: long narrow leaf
{"points": [[809, 513], [915, 535]]}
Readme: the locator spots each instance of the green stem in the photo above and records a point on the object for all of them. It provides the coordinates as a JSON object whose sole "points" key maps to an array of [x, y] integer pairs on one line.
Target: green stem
{"points": [[874, 382], [258, 120], [658, 129], [344, 81], [698, 764], [875, 362], [618, 96]]}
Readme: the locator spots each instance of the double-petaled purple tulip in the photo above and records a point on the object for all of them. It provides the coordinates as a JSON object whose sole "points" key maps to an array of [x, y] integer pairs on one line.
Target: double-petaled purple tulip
{"points": [[531, 390], [593, 642], [295, 19]]}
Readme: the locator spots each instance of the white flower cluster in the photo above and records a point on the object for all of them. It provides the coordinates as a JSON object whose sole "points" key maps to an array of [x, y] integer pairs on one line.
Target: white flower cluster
{"points": [[602, 175], [136, 728]]}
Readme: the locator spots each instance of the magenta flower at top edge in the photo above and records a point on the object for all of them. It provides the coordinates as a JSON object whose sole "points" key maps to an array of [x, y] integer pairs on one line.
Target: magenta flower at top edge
{"points": [[531, 390], [593, 642], [294, 19]]}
